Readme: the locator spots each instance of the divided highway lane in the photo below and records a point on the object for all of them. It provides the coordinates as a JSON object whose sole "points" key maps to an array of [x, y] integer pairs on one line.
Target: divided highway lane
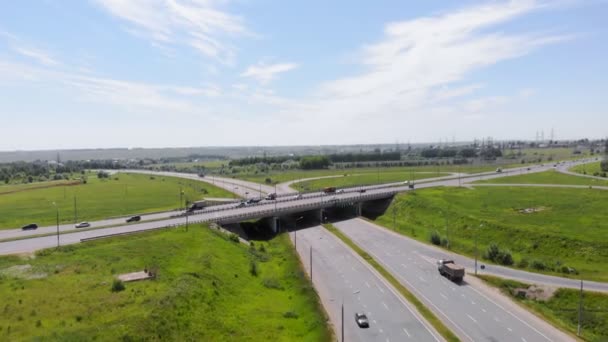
{"points": [[470, 314], [339, 276]]}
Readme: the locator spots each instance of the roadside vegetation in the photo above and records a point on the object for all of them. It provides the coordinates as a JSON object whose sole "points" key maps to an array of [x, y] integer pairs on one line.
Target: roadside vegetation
{"points": [[428, 315], [592, 169], [207, 288], [560, 308], [548, 230], [98, 198], [547, 177], [387, 176]]}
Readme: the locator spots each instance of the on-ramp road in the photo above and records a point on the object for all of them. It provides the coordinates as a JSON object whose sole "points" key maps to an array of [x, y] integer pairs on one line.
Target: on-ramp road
{"points": [[471, 314], [340, 276]]}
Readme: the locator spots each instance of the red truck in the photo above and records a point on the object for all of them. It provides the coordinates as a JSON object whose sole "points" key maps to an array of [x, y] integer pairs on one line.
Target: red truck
{"points": [[329, 190]]}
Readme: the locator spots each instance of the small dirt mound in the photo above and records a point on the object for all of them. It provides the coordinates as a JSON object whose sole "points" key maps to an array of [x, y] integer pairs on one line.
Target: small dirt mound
{"points": [[531, 210], [535, 292]]}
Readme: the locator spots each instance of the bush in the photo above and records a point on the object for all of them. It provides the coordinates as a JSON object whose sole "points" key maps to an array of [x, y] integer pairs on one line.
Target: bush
{"points": [[118, 285], [268, 181], [493, 252], [505, 258], [262, 248], [523, 263], [290, 314], [234, 238], [435, 238], [538, 265], [253, 268]]}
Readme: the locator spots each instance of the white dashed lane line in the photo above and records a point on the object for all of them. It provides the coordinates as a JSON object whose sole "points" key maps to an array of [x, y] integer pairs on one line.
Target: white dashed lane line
{"points": [[472, 319]]}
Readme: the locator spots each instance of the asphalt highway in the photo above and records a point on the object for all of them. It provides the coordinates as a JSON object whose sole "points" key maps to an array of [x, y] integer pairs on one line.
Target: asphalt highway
{"points": [[342, 278], [469, 313]]}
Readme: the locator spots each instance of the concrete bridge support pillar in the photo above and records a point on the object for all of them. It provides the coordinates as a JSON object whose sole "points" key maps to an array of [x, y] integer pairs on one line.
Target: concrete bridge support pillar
{"points": [[275, 224], [359, 209], [321, 216]]}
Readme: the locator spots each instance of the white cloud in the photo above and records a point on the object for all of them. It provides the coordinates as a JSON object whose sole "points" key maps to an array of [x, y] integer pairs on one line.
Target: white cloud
{"points": [[198, 24], [414, 68], [38, 55], [126, 94], [266, 73]]}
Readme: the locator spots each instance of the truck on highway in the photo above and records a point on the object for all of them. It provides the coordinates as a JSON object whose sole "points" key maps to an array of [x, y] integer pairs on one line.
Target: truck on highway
{"points": [[450, 270], [198, 205], [329, 190]]}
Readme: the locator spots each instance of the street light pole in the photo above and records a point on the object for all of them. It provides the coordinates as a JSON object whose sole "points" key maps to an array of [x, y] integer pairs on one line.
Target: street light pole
{"points": [[480, 226], [311, 264], [342, 318]]}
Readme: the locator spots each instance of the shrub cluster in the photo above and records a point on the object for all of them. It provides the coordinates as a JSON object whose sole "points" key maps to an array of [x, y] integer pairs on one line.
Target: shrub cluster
{"points": [[496, 255]]}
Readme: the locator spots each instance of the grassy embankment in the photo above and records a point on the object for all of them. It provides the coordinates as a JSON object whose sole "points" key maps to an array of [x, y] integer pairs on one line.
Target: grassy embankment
{"points": [[364, 179], [587, 169], [205, 291], [562, 228], [424, 311], [547, 177], [562, 308], [123, 194]]}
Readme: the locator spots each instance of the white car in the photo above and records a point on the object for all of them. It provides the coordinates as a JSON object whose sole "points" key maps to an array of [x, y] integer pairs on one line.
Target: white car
{"points": [[83, 225]]}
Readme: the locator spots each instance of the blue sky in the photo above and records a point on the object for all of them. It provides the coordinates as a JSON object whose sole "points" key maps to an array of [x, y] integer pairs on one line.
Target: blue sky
{"points": [[163, 73]]}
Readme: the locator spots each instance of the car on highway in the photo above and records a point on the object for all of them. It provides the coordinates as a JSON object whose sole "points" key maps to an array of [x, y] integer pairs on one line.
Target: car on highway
{"points": [[361, 320], [271, 196], [82, 225], [255, 200], [499, 170], [30, 226], [241, 205], [298, 196], [134, 218], [362, 191], [341, 191]]}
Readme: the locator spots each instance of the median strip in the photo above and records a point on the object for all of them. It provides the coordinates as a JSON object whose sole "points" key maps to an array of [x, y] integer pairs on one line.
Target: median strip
{"points": [[423, 310]]}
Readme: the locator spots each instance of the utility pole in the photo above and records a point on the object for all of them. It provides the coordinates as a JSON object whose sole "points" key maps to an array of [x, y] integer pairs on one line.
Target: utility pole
{"points": [[311, 264], [57, 211], [447, 230], [75, 211], [580, 311], [480, 226], [343, 318]]}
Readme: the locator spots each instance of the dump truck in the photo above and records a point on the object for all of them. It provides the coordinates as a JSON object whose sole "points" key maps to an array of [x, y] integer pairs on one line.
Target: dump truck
{"points": [[450, 270], [329, 190], [198, 205]]}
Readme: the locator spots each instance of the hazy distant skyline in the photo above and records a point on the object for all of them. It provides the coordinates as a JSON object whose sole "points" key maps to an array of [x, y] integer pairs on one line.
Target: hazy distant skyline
{"points": [[177, 73]]}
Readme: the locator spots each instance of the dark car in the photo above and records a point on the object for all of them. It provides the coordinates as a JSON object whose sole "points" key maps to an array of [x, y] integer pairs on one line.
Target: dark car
{"points": [[361, 320], [362, 191], [30, 226], [241, 205], [134, 219]]}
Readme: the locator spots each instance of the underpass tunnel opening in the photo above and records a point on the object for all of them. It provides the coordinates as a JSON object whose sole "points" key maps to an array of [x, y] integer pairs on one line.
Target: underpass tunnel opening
{"points": [[340, 212], [374, 208]]}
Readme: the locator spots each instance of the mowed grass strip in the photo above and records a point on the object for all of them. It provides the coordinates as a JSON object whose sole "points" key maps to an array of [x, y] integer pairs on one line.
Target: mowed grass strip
{"points": [[587, 169], [364, 179], [422, 309], [122, 194], [546, 230], [205, 290], [546, 177], [561, 309]]}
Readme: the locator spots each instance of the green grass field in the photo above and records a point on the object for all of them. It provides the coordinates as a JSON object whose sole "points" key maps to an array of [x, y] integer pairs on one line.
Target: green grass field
{"points": [[364, 179], [400, 173], [547, 177], [588, 169], [566, 228], [562, 309], [98, 199], [9, 188], [204, 291]]}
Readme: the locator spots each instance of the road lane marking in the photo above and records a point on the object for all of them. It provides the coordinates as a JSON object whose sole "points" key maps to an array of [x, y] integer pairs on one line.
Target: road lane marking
{"points": [[444, 296], [422, 279], [496, 319], [472, 319], [368, 286], [407, 333], [473, 302], [381, 331], [379, 288], [524, 340], [403, 265], [510, 313], [383, 303], [484, 310], [510, 330]]}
